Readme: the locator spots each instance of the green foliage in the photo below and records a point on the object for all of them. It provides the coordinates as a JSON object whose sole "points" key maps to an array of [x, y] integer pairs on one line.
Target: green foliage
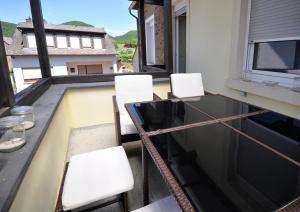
{"points": [[128, 38], [77, 23], [8, 29], [125, 55], [125, 45]]}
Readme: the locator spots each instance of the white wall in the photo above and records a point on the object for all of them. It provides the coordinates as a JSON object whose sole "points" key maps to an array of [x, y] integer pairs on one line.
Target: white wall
{"points": [[59, 65], [217, 41]]}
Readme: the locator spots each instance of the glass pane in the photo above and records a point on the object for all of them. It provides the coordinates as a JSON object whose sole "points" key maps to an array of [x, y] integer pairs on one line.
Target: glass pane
{"points": [[275, 130], [222, 170], [89, 39], [154, 31], [220, 107], [20, 44], [166, 114], [277, 56]]}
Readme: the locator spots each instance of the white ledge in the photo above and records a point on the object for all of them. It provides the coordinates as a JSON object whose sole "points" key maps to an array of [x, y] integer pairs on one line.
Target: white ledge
{"points": [[276, 92]]}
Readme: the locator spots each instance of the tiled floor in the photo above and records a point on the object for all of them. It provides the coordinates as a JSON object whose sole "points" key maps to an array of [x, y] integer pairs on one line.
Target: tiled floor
{"points": [[103, 136]]}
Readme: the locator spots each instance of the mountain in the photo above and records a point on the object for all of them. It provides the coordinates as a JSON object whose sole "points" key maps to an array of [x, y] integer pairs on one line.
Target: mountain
{"points": [[8, 29], [77, 23], [129, 37]]}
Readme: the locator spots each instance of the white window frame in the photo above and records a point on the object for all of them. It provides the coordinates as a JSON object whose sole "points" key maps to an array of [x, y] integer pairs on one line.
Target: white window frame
{"points": [[86, 38], [263, 76], [57, 42], [31, 41], [178, 7], [150, 20], [48, 37], [72, 37], [100, 39]]}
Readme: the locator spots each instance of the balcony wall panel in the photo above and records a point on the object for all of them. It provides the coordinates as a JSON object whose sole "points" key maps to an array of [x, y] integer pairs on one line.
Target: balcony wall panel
{"points": [[80, 107]]}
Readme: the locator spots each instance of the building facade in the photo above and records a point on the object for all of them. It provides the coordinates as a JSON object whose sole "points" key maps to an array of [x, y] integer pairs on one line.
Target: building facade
{"points": [[247, 50], [73, 50]]}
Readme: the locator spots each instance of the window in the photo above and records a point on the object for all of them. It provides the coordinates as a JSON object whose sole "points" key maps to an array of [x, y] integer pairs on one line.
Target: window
{"points": [[50, 40], [31, 41], [62, 42], [90, 69], [273, 48], [86, 42], [74, 42], [98, 43], [31, 74], [150, 40]]}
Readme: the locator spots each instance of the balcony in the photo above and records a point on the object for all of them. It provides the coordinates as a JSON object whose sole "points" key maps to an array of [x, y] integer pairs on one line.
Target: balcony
{"points": [[70, 119], [236, 148]]}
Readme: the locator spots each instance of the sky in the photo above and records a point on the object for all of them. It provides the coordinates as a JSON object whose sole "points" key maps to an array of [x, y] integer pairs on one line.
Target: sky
{"points": [[113, 15]]}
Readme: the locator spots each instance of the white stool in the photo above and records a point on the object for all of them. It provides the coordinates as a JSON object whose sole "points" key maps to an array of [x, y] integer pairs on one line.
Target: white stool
{"points": [[167, 204], [97, 175]]}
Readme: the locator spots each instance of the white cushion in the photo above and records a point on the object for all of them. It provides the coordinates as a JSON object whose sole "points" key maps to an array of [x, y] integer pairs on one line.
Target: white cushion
{"points": [[127, 125], [133, 88], [187, 85], [95, 176], [167, 204]]}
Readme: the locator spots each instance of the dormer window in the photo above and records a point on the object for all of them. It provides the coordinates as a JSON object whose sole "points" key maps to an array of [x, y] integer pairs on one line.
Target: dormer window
{"points": [[86, 42], [31, 40], [61, 42], [74, 42], [98, 43], [50, 40]]}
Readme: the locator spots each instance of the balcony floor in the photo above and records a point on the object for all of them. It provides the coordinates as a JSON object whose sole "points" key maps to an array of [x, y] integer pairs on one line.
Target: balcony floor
{"points": [[103, 136]]}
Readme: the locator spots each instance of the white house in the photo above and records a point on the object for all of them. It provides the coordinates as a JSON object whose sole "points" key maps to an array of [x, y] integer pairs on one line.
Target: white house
{"points": [[73, 50]]}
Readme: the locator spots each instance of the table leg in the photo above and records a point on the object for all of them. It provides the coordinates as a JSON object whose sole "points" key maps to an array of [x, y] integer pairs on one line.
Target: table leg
{"points": [[145, 175]]}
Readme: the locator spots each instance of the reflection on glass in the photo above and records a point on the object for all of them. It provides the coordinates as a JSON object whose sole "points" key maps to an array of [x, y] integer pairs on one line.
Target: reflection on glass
{"points": [[221, 170], [166, 114], [219, 106]]}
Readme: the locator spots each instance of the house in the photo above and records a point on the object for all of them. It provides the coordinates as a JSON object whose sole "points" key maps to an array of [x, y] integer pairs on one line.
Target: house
{"points": [[7, 42], [247, 50], [73, 50]]}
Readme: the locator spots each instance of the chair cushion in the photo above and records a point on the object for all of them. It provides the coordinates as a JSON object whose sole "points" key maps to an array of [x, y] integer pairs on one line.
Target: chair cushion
{"points": [[167, 204], [127, 125], [133, 88], [187, 85], [95, 176]]}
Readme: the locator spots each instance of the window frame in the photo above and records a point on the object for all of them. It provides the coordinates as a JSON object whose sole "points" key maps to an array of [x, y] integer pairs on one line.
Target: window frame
{"points": [[263, 76], [53, 39], [90, 39], [61, 36], [148, 21], [34, 39], [34, 91], [72, 37]]}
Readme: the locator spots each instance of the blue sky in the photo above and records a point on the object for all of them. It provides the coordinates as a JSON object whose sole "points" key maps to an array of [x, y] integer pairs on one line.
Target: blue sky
{"points": [[111, 14]]}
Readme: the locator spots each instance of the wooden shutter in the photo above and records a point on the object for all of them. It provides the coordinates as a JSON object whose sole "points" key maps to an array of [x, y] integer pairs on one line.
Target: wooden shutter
{"points": [[94, 69]]}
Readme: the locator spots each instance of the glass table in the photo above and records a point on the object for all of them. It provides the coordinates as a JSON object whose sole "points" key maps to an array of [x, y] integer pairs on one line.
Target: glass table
{"points": [[219, 154]]}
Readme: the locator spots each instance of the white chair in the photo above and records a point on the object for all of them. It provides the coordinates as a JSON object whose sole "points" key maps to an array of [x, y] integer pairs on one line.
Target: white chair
{"points": [[185, 85], [129, 89], [95, 176], [167, 204]]}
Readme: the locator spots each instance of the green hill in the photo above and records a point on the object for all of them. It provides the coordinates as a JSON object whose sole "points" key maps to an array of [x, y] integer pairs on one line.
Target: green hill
{"points": [[8, 29], [129, 37], [77, 23]]}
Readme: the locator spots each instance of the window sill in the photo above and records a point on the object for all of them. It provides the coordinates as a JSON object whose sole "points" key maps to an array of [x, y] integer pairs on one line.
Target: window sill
{"points": [[276, 92]]}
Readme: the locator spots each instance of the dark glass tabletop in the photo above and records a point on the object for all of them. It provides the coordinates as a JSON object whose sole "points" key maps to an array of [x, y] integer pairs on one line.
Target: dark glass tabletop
{"points": [[277, 131], [220, 106], [222, 170], [165, 114]]}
